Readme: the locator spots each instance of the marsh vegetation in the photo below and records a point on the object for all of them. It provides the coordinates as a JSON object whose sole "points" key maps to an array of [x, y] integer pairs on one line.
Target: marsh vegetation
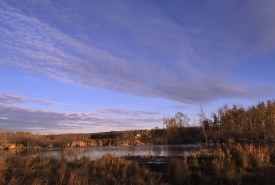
{"points": [[232, 164]]}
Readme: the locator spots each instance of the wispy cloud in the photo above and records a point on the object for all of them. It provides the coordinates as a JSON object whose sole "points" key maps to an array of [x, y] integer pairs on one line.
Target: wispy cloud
{"points": [[123, 112], [43, 121], [170, 57], [11, 98], [44, 102]]}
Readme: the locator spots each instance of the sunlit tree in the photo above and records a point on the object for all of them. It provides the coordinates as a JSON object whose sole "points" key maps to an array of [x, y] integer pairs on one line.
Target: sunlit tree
{"points": [[174, 127]]}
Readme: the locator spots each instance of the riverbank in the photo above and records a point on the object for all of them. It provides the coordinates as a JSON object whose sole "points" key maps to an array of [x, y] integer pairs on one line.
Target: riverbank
{"points": [[236, 164]]}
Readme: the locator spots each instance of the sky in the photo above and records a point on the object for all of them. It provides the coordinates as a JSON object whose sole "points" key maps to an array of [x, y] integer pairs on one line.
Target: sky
{"points": [[86, 66]]}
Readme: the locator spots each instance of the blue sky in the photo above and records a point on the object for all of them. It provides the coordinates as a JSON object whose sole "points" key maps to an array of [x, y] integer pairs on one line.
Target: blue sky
{"points": [[90, 66]]}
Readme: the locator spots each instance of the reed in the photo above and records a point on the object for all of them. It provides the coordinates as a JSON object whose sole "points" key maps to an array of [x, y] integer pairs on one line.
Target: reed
{"points": [[47, 170], [177, 171], [231, 164], [227, 164]]}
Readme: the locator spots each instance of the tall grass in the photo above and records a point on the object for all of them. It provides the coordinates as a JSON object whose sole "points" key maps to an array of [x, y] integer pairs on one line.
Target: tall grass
{"points": [[108, 170], [233, 164]]}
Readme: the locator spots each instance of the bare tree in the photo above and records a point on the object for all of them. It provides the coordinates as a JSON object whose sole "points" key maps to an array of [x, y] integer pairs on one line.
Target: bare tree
{"points": [[174, 126], [203, 123]]}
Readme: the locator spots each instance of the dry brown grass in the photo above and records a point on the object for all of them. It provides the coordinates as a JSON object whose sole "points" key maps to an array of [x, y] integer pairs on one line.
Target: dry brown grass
{"points": [[108, 170], [232, 164]]}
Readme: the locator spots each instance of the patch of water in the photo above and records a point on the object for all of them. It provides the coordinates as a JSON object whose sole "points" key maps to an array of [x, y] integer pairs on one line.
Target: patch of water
{"points": [[97, 152]]}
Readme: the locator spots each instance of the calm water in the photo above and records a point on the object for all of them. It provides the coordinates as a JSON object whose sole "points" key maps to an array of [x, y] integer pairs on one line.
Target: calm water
{"points": [[97, 152]]}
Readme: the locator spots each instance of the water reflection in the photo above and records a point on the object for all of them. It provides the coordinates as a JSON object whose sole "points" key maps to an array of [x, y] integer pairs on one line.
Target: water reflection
{"points": [[120, 151], [97, 152]]}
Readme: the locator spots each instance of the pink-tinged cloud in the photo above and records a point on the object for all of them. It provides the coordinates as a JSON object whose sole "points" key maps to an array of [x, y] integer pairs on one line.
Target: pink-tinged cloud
{"points": [[12, 98], [43, 121], [9, 98]]}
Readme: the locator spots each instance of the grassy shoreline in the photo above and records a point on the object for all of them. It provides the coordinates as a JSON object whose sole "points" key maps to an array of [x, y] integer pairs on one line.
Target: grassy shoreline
{"points": [[233, 164]]}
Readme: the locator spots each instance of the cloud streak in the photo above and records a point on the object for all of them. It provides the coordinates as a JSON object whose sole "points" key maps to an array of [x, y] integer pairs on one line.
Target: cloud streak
{"points": [[195, 69], [43, 121], [11, 98]]}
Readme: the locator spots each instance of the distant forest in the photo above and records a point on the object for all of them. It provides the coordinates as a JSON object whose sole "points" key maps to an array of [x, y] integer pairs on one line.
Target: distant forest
{"points": [[228, 125]]}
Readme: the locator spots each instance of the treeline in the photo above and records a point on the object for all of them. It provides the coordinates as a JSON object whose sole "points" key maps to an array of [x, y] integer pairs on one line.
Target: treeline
{"points": [[30, 140], [17, 140], [130, 137], [251, 124], [228, 124]]}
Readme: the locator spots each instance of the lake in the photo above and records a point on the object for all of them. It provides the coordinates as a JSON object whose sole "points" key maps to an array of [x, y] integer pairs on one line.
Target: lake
{"points": [[96, 152]]}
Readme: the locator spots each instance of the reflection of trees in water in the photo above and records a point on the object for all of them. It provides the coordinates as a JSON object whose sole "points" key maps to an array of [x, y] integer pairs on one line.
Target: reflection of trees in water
{"points": [[180, 150], [174, 151], [99, 152], [139, 150], [167, 150], [156, 150]]}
